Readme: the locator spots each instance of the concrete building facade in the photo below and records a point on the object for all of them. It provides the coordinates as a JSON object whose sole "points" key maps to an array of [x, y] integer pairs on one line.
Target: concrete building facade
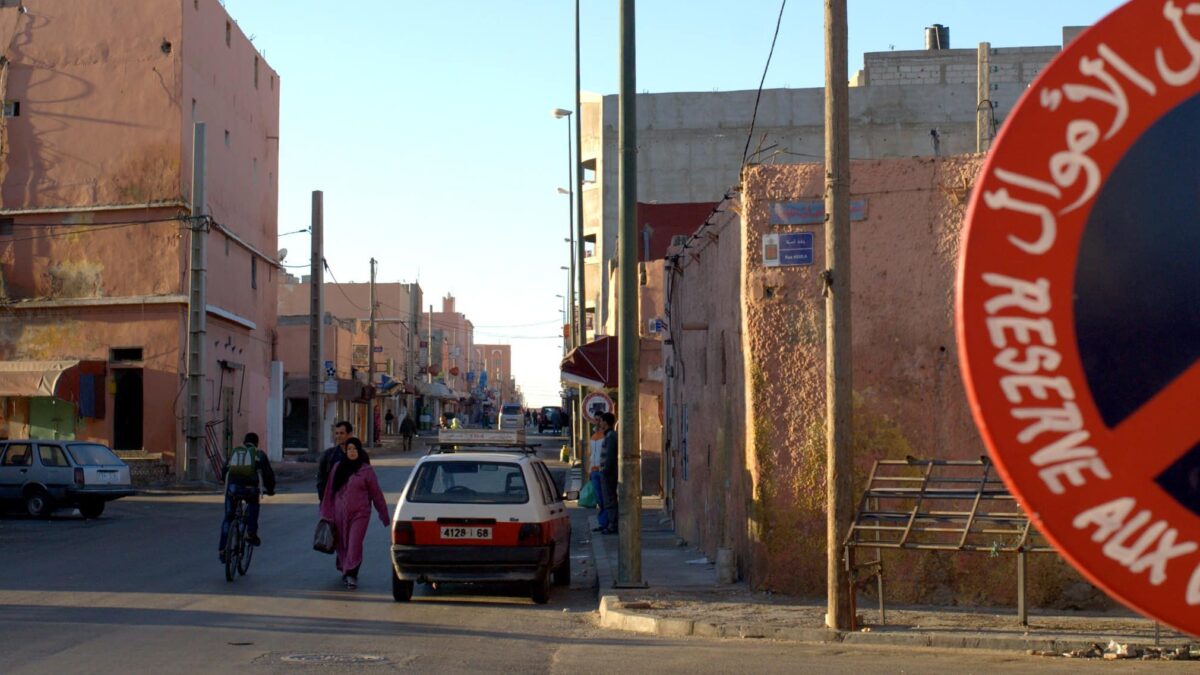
{"points": [[691, 144], [95, 183], [745, 379]]}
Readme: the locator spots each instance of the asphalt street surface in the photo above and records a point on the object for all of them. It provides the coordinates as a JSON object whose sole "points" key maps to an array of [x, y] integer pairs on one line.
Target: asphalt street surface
{"points": [[141, 590]]}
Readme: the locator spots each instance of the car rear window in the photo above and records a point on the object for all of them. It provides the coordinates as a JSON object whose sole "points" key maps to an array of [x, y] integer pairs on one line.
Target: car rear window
{"points": [[92, 454], [512, 410], [469, 483], [52, 455]]}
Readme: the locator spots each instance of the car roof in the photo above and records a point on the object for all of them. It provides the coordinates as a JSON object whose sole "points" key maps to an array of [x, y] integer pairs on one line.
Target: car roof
{"points": [[490, 455], [59, 441]]}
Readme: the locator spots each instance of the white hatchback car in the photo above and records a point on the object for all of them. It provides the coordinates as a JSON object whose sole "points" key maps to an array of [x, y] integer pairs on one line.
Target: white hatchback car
{"points": [[483, 516]]}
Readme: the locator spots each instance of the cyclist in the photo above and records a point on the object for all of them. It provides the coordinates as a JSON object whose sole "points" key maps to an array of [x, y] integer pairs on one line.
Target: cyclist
{"points": [[246, 469]]}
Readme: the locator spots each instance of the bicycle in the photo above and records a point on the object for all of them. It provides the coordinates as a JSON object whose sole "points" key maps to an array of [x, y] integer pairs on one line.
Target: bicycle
{"points": [[238, 549]]}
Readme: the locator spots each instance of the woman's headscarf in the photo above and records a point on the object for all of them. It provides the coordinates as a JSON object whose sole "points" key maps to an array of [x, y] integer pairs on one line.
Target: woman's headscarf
{"points": [[347, 467]]}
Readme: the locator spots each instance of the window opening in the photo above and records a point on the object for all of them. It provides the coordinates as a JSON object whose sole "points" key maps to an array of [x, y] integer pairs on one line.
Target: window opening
{"points": [[125, 354], [228, 34], [12, 108]]}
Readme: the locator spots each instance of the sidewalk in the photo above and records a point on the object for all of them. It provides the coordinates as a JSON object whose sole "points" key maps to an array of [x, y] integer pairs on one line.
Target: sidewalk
{"points": [[682, 598]]}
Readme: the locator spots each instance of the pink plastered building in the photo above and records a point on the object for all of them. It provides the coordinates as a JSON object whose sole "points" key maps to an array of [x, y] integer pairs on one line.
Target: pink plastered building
{"points": [[744, 358], [95, 190]]}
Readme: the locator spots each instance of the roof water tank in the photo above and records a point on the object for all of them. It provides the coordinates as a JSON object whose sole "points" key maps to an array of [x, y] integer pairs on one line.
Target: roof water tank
{"points": [[937, 36]]}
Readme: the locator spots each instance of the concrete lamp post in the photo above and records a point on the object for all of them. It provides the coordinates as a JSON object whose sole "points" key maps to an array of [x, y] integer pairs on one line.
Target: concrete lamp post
{"points": [[574, 199]]}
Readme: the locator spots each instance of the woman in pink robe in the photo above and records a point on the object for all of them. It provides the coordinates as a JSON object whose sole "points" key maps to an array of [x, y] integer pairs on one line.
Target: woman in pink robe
{"points": [[352, 489]]}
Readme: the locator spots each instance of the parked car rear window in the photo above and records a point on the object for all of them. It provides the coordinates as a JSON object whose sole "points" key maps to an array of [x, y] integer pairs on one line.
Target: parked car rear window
{"points": [[469, 483], [512, 410], [92, 454], [52, 455]]}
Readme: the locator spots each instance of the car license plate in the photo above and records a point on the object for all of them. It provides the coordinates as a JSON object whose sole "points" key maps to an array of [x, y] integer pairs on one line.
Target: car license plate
{"points": [[466, 532], [107, 477]]}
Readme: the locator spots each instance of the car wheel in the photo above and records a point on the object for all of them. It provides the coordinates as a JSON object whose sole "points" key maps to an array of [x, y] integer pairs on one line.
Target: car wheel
{"points": [[562, 574], [402, 590], [37, 503], [539, 589], [91, 509]]}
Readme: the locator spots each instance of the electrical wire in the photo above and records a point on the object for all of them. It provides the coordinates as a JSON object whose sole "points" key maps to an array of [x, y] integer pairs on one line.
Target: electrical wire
{"points": [[337, 283], [758, 97], [85, 229]]}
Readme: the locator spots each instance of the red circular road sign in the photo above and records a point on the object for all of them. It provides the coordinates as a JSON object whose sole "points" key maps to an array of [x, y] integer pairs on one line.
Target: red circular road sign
{"points": [[595, 403], [1078, 309]]}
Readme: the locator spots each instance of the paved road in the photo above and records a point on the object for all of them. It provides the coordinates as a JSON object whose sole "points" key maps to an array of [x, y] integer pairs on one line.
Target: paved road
{"points": [[140, 590]]}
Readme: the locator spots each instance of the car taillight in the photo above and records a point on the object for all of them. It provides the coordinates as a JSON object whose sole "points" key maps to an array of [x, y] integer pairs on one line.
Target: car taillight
{"points": [[530, 534], [78, 476], [402, 533]]}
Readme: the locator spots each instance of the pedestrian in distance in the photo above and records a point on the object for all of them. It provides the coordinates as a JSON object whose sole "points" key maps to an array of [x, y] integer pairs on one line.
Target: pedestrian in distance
{"points": [[389, 422], [608, 422], [408, 429], [353, 489], [332, 455], [247, 470]]}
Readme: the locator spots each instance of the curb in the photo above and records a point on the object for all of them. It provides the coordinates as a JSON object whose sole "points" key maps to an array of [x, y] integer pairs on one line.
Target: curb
{"points": [[615, 615]]}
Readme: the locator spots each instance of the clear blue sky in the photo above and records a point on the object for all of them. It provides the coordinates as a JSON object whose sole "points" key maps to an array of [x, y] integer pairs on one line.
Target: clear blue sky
{"points": [[427, 123]]}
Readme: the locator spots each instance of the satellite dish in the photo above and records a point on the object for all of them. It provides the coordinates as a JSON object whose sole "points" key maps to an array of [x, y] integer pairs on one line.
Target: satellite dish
{"points": [[281, 255]]}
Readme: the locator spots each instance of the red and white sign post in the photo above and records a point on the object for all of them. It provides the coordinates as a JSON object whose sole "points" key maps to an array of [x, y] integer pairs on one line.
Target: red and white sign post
{"points": [[1078, 309]]}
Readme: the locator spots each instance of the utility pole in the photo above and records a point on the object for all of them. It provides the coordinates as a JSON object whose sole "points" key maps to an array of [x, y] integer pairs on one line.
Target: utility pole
{"points": [[629, 499], [197, 307], [316, 325], [838, 384], [572, 340], [983, 98], [581, 440], [371, 440]]}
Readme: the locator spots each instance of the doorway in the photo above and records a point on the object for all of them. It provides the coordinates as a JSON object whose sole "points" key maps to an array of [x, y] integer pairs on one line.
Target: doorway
{"points": [[127, 409]]}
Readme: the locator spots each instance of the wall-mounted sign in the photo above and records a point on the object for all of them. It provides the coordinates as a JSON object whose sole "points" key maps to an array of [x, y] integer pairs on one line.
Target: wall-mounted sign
{"points": [[811, 211], [360, 356], [787, 249]]}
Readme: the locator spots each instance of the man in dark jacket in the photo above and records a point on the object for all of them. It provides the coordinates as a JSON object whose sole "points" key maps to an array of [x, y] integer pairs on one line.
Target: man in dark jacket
{"points": [[246, 471], [408, 429], [333, 455], [608, 475]]}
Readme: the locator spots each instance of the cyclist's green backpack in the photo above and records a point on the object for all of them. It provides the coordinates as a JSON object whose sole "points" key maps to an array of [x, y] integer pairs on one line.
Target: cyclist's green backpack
{"points": [[242, 463]]}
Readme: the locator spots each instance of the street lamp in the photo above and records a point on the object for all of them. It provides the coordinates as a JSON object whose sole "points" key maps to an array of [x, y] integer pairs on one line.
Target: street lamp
{"points": [[560, 113]]}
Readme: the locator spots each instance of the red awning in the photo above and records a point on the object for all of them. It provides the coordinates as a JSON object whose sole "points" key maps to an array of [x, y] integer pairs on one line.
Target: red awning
{"points": [[593, 364]]}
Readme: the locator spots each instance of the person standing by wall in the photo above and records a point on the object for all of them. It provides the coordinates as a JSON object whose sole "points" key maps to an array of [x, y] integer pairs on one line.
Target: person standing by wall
{"points": [[389, 423], [595, 474], [353, 489], [609, 473]]}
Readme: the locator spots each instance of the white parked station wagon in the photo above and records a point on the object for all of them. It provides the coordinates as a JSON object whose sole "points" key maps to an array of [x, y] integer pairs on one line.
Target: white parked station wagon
{"points": [[484, 516]]}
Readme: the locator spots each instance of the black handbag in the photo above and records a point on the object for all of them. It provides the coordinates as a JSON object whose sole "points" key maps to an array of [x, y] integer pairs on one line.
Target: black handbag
{"points": [[324, 537]]}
